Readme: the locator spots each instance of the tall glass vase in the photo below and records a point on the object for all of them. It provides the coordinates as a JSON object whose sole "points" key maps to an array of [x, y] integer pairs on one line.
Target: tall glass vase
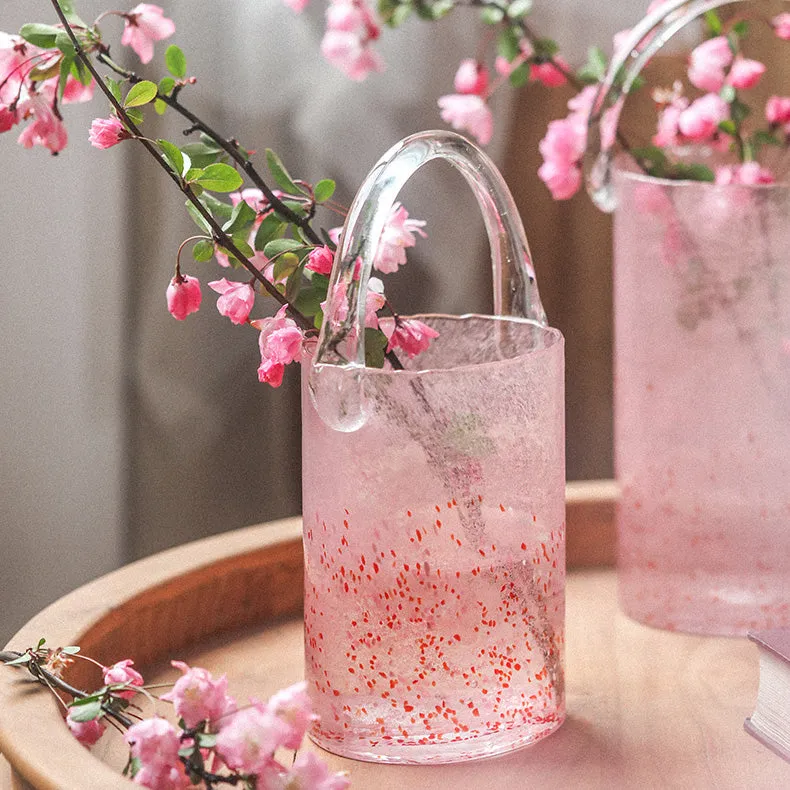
{"points": [[702, 403], [702, 375], [434, 506]]}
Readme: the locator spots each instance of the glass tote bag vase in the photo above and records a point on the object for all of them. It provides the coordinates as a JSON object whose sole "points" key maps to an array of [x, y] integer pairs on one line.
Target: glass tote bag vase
{"points": [[434, 504]]}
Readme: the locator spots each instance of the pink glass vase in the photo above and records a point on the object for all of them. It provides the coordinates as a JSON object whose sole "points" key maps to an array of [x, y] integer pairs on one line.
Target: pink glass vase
{"points": [[434, 506], [702, 377]]}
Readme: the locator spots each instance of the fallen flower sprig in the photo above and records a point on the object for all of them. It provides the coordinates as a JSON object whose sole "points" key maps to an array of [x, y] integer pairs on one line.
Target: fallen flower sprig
{"points": [[216, 741]]}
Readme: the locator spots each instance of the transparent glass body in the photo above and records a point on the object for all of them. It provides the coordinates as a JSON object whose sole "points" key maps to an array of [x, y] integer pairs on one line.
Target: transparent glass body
{"points": [[434, 509], [702, 403]]}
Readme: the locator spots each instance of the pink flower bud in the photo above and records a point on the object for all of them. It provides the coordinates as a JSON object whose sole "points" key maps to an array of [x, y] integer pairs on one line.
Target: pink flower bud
{"points": [[471, 77], [504, 67], [107, 132], [183, 296], [320, 260], [236, 300], [280, 343], [745, 73], [122, 672], [551, 74], [410, 334], [781, 25], [86, 732], [777, 110], [708, 62], [701, 119], [749, 173]]}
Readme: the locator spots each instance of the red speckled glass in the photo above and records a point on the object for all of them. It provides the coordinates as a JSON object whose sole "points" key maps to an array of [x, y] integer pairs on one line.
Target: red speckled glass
{"points": [[434, 510]]}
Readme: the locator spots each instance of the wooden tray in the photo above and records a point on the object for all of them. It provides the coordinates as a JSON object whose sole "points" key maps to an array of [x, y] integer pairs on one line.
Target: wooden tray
{"points": [[646, 708]]}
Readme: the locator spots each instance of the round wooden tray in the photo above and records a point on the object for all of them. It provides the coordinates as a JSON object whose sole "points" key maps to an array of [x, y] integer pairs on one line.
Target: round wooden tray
{"points": [[647, 708]]}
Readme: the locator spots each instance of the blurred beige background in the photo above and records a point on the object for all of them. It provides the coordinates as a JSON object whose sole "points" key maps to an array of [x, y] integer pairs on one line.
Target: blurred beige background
{"points": [[125, 431]]}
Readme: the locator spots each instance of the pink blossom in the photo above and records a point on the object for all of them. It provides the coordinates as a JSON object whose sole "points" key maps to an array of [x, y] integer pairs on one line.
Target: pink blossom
{"points": [[8, 118], [398, 234], [122, 672], [310, 773], [471, 77], [563, 180], [77, 93], [550, 73], [562, 149], [781, 25], [183, 296], [248, 739], [86, 732], [374, 301], [280, 343], [45, 128], [410, 334], [745, 73], [236, 300], [470, 113], [351, 28], [320, 260], [701, 119], [707, 63], [14, 52], [297, 5], [253, 197], [145, 24], [155, 742], [107, 132], [777, 110], [667, 133], [292, 705], [197, 697], [162, 778], [748, 173]]}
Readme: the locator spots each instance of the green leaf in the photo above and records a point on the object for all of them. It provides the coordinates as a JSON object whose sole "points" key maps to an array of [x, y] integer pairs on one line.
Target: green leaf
{"points": [[546, 48], [728, 127], [41, 643], [692, 172], [762, 137], [293, 285], [328, 239], [739, 111], [219, 208], [278, 246], [272, 227], [135, 115], [160, 107], [140, 93], [85, 710], [243, 246], [728, 93], [203, 250], [192, 175], [491, 15], [296, 207], [80, 71], [518, 9], [741, 28], [220, 178], [43, 36], [713, 23], [166, 84], [309, 300], [440, 8], [653, 159], [375, 344], [285, 265], [23, 659], [70, 13], [519, 76], [198, 218], [172, 156], [176, 61], [65, 70], [115, 88], [240, 220], [318, 319], [280, 174], [71, 650], [201, 154], [401, 13], [64, 44], [206, 740], [324, 190], [594, 70], [507, 44]]}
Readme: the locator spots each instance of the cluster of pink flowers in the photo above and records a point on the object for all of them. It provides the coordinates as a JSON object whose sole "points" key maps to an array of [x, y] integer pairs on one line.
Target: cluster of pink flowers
{"points": [[280, 339], [247, 738], [26, 98]]}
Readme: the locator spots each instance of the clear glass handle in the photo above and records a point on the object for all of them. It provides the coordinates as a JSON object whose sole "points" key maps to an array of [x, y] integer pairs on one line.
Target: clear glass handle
{"points": [[644, 41], [336, 377]]}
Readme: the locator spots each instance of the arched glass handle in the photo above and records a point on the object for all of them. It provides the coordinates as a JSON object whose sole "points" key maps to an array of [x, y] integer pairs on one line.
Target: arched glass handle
{"points": [[341, 344], [644, 40]]}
